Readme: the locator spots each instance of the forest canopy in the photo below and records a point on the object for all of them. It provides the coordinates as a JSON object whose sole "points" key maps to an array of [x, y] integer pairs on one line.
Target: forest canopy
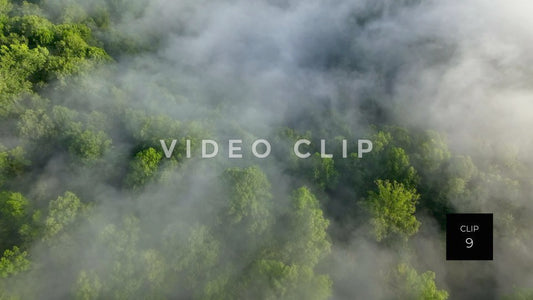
{"points": [[92, 207]]}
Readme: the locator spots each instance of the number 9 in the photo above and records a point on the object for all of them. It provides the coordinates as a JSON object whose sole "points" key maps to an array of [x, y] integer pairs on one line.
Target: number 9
{"points": [[469, 243]]}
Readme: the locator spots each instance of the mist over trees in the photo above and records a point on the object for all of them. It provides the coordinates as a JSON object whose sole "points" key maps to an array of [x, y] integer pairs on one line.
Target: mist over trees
{"points": [[90, 207]]}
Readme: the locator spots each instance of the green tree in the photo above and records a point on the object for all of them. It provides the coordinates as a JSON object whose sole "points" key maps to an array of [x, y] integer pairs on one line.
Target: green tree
{"points": [[389, 160], [324, 172], [37, 30], [18, 63], [13, 261], [392, 209], [89, 146], [5, 7], [144, 167], [408, 284], [13, 163], [285, 267], [273, 279], [15, 220], [307, 240], [191, 257], [249, 201], [36, 125], [127, 274], [62, 213], [88, 286]]}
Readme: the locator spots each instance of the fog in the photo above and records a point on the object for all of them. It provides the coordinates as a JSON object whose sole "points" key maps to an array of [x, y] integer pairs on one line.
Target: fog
{"points": [[246, 69]]}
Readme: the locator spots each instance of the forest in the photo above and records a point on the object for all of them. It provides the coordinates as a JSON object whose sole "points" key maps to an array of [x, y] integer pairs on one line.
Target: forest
{"points": [[93, 93]]}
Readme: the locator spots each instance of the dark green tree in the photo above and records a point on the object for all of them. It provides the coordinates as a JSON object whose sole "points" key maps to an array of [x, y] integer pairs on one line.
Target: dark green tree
{"points": [[15, 220]]}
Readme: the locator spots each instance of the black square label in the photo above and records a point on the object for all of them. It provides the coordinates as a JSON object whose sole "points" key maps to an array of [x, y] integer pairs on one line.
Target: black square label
{"points": [[469, 236]]}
